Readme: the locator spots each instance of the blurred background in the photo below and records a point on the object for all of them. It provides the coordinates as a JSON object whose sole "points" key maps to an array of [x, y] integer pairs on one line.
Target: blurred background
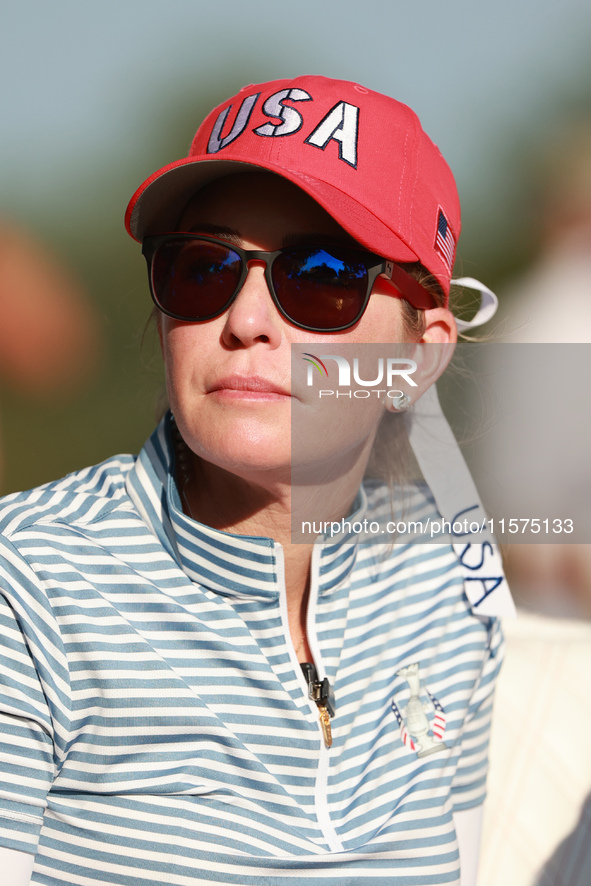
{"points": [[96, 96]]}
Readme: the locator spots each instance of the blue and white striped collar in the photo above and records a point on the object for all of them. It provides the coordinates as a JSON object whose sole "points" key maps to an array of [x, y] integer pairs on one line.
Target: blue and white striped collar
{"points": [[235, 565]]}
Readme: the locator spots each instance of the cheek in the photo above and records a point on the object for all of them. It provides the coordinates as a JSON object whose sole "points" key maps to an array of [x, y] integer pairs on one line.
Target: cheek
{"points": [[172, 354], [181, 343], [383, 321]]}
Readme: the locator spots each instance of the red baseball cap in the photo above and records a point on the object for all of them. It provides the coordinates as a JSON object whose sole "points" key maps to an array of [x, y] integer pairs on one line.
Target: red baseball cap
{"points": [[362, 156]]}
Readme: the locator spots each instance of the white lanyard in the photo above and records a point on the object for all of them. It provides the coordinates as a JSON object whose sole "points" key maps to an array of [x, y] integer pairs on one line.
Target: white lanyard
{"points": [[447, 476]]}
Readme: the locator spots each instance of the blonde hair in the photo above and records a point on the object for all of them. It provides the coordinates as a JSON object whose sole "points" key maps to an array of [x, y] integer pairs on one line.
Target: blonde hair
{"points": [[392, 460]]}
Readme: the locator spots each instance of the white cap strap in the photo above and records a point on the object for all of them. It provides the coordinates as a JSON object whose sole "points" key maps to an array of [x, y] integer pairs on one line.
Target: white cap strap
{"points": [[488, 302], [457, 499]]}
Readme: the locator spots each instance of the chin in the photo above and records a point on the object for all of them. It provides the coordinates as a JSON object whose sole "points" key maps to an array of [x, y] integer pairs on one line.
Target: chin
{"points": [[246, 450]]}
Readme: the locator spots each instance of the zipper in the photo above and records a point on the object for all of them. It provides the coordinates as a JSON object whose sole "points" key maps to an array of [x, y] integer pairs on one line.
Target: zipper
{"points": [[320, 790], [321, 692], [325, 725]]}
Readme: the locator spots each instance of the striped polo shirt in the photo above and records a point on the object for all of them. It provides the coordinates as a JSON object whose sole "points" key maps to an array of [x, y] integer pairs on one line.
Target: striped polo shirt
{"points": [[155, 725]]}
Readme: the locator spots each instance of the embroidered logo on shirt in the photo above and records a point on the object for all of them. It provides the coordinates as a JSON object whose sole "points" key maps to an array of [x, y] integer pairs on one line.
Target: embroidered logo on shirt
{"points": [[422, 722]]}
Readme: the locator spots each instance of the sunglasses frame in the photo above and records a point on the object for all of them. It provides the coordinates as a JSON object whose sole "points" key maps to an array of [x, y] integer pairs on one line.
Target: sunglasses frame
{"points": [[401, 284]]}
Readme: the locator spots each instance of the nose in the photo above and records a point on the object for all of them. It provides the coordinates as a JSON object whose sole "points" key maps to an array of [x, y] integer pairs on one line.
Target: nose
{"points": [[253, 317]]}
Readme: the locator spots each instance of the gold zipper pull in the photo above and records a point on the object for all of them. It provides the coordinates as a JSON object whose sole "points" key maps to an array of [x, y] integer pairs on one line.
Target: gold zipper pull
{"points": [[321, 692], [325, 725]]}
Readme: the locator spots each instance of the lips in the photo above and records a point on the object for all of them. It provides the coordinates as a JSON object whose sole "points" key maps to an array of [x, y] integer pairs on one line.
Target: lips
{"points": [[249, 387]]}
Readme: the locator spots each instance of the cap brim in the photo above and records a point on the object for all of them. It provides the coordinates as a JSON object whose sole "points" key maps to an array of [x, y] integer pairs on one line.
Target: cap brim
{"points": [[158, 203]]}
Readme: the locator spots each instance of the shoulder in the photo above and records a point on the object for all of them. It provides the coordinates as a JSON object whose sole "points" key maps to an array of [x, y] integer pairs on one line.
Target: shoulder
{"points": [[401, 546], [406, 519], [80, 497], [402, 505]]}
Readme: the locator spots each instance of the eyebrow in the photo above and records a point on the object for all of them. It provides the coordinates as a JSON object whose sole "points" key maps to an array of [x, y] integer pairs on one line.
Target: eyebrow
{"points": [[317, 239], [221, 231], [311, 238]]}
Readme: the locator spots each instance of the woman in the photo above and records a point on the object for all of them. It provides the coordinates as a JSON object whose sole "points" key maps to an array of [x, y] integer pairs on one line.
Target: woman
{"points": [[190, 695]]}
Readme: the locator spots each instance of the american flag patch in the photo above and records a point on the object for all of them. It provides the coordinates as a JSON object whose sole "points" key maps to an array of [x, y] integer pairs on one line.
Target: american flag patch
{"points": [[404, 736], [438, 727], [445, 242]]}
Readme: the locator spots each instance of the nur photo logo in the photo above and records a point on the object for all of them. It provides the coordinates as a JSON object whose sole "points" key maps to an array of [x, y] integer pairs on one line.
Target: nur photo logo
{"points": [[385, 371]]}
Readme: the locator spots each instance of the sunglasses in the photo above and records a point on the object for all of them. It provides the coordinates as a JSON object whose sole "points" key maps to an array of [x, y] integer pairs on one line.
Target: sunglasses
{"points": [[318, 288]]}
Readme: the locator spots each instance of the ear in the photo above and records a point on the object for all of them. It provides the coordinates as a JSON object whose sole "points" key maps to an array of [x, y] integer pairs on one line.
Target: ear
{"points": [[440, 326], [435, 350]]}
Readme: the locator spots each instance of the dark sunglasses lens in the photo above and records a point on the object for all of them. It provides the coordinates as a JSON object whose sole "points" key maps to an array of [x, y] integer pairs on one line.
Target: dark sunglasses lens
{"points": [[194, 279], [319, 289]]}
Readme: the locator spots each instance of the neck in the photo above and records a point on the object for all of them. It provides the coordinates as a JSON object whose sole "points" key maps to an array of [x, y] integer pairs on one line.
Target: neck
{"points": [[242, 506], [265, 504], [224, 501]]}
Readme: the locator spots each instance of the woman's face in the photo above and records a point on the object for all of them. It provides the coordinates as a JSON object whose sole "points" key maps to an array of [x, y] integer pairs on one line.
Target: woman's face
{"points": [[229, 379]]}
